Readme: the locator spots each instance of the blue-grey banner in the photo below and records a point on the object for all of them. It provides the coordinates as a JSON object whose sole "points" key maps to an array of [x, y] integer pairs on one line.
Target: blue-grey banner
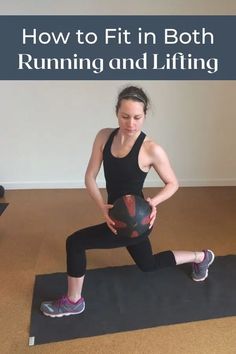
{"points": [[117, 47]]}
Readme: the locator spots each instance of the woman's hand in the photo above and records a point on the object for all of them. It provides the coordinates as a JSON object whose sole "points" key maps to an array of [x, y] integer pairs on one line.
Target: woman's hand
{"points": [[153, 214], [109, 221]]}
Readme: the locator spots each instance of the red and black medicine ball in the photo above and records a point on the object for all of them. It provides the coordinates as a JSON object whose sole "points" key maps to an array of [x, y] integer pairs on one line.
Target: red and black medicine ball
{"points": [[131, 215]]}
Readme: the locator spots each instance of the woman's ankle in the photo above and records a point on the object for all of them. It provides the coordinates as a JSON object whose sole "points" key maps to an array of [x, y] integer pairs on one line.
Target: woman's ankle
{"points": [[199, 257], [74, 298]]}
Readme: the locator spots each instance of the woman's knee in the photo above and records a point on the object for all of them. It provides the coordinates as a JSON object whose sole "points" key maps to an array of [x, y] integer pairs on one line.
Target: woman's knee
{"points": [[73, 241], [146, 268]]}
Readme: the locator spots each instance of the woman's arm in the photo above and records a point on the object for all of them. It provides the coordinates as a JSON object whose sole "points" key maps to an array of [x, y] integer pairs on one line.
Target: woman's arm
{"points": [[93, 168], [161, 164]]}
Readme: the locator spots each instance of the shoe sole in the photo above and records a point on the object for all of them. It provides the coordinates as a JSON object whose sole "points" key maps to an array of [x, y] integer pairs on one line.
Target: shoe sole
{"points": [[210, 263], [64, 314]]}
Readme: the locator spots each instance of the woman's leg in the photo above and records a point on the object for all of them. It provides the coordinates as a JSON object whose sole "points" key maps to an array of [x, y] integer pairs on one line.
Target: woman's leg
{"points": [[101, 237], [141, 254], [75, 286], [146, 261], [94, 237], [182, 257]]}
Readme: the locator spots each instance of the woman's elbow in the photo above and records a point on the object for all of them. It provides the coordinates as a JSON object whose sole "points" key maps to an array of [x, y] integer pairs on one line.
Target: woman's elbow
{"points": [[88, 178], [176, 185]]}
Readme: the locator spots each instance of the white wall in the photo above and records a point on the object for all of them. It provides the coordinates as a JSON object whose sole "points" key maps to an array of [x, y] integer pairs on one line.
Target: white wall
{"points": [[47, 127]]}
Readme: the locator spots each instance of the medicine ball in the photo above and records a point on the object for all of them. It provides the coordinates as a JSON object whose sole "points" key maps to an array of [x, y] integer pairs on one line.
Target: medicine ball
{"points": [[2, 191], [131, 215]]}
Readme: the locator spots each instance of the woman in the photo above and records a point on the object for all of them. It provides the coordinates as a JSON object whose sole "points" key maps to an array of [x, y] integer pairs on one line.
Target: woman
{"points": [[127, 155]]}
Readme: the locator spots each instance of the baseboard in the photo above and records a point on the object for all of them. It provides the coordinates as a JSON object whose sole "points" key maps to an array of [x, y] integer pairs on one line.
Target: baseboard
{"points": [[101, 184]]}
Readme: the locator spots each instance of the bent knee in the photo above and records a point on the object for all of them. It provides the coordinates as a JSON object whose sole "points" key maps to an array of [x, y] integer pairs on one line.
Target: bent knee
{"points": [[69, 242], [72, 241]]}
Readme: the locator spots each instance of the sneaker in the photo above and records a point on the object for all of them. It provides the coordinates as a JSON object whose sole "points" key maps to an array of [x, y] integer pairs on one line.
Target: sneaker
{"points": [[62, 307], [200, 270]]}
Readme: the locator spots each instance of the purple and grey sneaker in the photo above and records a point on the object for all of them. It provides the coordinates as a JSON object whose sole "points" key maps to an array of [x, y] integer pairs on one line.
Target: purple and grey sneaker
{"points": [[62, 307], [200, 270]]}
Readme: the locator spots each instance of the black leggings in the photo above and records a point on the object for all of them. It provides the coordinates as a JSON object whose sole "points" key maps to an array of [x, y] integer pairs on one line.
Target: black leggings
{"points": [[101, 237]]}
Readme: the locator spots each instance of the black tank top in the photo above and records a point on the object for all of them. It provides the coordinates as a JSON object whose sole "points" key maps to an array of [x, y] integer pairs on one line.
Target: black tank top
{"points": [[123, 175]]}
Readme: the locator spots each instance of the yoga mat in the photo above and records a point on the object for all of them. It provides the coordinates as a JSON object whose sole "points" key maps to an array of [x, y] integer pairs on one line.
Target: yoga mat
{"points": [[3, 207], [120, 299]]}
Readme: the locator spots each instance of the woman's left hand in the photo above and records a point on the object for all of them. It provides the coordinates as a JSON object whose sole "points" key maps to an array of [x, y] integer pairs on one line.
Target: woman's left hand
{"points": [[153, 214]]}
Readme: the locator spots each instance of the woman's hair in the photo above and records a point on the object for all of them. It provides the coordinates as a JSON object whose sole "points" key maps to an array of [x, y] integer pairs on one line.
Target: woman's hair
{"points": [[133, 93]]}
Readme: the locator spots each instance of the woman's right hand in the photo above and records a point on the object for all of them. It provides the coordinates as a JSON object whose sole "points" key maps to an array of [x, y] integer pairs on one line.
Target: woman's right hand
{"points": [[109, 221]]}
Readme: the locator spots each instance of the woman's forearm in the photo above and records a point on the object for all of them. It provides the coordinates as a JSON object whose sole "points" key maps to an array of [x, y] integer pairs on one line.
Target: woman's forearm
{"points": [[165, 193], [94, 192]]}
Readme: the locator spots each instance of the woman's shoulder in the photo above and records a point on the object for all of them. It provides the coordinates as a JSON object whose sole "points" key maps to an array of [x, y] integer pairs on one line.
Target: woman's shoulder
{"points": [[105, 131], [151, 147], [103, 135]]}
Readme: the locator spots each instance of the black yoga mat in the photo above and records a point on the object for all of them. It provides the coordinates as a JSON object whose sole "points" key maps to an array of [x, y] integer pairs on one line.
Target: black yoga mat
{"points": [[3, 207], [123, 298]]}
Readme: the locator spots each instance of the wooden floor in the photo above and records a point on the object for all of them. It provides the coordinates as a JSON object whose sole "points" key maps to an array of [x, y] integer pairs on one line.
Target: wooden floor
{"points": [[33, 230]]}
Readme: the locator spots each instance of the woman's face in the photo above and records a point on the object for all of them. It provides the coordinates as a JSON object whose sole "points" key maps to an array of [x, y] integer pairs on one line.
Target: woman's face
{"points": [[130, 116]]}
